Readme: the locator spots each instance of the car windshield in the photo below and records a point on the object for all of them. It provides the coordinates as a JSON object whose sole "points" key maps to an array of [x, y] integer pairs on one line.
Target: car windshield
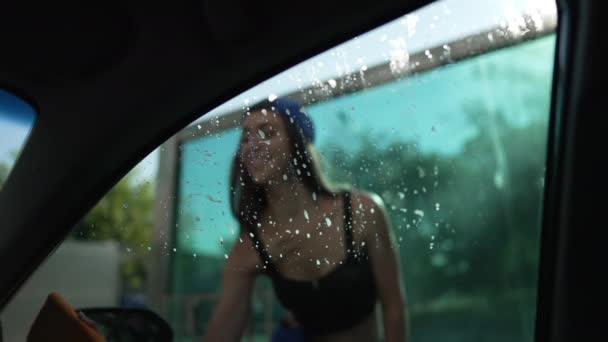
{"points": [[415, 150]]}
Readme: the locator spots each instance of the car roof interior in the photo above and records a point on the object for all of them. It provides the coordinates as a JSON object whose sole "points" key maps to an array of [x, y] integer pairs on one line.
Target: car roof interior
{"points": [[112, 80]]}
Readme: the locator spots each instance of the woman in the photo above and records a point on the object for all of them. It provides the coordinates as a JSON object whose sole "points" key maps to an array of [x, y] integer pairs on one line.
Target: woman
{"points": [[330, 254]]}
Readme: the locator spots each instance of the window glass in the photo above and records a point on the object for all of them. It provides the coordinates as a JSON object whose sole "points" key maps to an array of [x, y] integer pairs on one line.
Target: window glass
{"points": [[442, 115], [457, 155], [16, 121]]}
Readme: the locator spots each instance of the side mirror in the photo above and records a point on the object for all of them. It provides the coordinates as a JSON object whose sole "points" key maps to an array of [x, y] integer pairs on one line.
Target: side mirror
{"points": [[127, 324]]}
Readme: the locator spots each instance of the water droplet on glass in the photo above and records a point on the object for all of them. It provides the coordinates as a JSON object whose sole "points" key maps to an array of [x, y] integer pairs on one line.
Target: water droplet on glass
{"points": [[421, 172], [403, 210], [251, 234], [314, 196], [199, 126], [261, 134], [174, 249], [149, 248], [362, 243], [498, 179], [332, 83], [259, 225], [328, 221], [194, 255], [226, 256], [306, 215], [372, 210], [125, 205], [437, 206], [318, 262], [297, 231], [272, 97], [284, 177], [308, 235], [128, 250], [401, 195], [419, 212], [290, 219], [221, 240]]}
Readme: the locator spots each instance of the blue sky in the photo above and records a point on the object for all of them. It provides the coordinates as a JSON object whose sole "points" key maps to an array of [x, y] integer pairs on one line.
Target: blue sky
{"points": [[12, 135], [16, 120]]}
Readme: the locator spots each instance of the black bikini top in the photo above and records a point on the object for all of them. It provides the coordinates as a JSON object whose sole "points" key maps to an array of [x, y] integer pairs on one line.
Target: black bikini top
{"points": [[338, 300]]}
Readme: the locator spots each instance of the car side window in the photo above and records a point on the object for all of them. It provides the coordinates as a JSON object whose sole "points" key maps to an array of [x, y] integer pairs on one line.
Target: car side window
{"points": [[439, 117]]}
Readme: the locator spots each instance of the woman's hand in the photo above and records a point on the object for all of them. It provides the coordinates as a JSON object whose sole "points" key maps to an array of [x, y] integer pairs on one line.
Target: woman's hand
{"points": [[231, 313]]}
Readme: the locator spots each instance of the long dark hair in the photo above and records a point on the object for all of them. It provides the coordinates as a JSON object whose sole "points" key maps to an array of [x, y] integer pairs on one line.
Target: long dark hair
{"points": [[248, 199]]}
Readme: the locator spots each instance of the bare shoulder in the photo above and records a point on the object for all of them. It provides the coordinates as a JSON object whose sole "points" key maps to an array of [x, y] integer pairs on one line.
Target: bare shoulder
{"points": [[369, 211], [368, 203], [375, 224]]}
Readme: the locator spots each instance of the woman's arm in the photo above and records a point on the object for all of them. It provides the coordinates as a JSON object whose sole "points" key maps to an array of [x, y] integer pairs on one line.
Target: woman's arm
{"points": [[231, 313], [382, 248]]}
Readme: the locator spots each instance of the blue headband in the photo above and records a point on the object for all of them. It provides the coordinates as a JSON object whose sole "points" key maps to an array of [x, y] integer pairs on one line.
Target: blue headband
{"points": [[293, 112]]}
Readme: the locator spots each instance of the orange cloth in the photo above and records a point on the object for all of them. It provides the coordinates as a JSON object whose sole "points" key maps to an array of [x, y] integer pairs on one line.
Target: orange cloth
{"points": [[58, 321]]}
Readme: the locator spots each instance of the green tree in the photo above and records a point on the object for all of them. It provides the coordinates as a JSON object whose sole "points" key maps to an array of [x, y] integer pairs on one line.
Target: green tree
{"points": [[124, 214], [460, 220], [4, 169]]}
